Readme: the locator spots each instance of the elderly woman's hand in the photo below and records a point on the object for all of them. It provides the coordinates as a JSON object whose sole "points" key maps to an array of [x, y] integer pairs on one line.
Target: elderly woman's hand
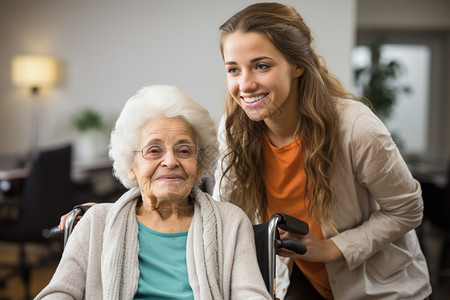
{"points": [[62, 221]]}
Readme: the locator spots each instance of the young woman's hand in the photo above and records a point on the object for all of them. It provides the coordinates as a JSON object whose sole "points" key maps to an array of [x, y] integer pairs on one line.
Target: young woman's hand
{"points": [[62, 221], [317, 250]]}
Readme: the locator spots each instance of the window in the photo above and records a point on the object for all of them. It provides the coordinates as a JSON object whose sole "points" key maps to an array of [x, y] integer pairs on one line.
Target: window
{"points": [[408, 121]]}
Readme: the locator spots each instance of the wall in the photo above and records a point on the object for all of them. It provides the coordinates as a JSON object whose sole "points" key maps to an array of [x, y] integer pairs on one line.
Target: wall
{"points": [[404, 14], [109, 49]]}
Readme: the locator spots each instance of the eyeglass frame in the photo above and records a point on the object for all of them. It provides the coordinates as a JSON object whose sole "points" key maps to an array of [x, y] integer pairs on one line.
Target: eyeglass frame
{"points": [[198, 149]]}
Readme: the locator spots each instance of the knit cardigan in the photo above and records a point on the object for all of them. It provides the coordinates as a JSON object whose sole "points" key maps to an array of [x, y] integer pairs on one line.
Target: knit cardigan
{"points": [[100, 260]]}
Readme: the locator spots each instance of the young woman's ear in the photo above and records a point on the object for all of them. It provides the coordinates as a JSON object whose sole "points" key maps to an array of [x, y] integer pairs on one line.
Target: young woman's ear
{"points": [[298, 71]]}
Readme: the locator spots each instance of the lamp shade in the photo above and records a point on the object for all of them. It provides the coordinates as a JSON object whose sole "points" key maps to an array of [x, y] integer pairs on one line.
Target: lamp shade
{"points": [[33, 70]]}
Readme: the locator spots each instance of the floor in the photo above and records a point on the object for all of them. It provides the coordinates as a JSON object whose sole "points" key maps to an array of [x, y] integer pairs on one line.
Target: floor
{"points": [[432, 245], [14, 289]]}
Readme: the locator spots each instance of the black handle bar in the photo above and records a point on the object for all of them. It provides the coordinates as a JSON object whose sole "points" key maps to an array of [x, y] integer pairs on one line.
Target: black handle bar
{"points": [[292, 224], [292, 245], [52, 233]]}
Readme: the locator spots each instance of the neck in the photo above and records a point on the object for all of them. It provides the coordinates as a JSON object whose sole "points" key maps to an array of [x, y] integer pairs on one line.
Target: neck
{"points": [[165, 216], [282, 128]]}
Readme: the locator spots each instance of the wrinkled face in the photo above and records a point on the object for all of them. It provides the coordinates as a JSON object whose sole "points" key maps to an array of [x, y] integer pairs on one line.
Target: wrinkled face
{"points": [[170, 177], [259, 78]]}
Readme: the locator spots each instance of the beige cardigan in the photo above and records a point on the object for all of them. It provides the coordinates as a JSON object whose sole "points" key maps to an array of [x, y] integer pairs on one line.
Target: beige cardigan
{"points": [[100, 260], [379, 204]]}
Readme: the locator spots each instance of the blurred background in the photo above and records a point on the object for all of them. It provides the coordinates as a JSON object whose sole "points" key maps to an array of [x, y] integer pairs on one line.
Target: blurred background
{"points": [[97, 54]]}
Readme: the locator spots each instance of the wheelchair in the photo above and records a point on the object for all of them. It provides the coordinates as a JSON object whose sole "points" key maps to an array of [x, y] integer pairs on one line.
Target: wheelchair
{"points": [[267, 240]]}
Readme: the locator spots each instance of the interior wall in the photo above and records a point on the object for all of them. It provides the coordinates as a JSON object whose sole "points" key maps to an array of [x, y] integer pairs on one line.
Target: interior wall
{"points": [[107, 50], [403, 14]]}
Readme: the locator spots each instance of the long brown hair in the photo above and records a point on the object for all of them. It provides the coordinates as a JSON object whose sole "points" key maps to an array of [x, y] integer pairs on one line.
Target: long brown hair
{"points": [[317, 126]]}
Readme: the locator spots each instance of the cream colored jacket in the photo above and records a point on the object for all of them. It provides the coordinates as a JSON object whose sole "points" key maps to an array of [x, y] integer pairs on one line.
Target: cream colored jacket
{"points": [[101, 260], [379, 205]]}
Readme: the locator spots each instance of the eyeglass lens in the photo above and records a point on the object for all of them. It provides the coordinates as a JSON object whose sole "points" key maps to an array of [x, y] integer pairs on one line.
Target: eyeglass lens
{"points": [[183, 151]]}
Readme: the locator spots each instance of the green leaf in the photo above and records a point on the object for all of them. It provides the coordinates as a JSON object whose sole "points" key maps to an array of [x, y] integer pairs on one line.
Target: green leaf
{"points": [[88, 119]]}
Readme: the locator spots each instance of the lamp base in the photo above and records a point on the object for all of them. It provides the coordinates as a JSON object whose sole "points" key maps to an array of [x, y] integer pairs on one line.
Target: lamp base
{"points": [[34, 90]]}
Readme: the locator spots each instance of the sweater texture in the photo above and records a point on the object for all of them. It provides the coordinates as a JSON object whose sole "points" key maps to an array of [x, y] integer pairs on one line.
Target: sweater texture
{"points": [[100, 260]]}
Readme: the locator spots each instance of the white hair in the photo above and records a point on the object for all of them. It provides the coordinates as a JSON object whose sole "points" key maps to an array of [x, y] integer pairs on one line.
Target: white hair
{"points": [[150, 103]]}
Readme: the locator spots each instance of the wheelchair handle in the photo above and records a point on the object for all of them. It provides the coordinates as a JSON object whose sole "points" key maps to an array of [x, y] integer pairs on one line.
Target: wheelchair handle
{"points": [[83, 208], [78, 210], [292, 245], [292, 224], [53, 232], [288, 223]]}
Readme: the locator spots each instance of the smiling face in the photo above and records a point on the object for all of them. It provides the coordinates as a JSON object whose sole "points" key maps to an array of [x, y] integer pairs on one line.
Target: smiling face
{"points": [[167, 178], [259, 77]]}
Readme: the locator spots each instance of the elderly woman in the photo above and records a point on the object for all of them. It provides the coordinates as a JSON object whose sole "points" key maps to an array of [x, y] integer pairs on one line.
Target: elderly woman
{"points": [[164, 238]]}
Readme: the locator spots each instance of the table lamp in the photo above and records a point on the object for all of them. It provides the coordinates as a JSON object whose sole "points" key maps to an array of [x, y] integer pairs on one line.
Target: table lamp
{"points": [[34, 72]]}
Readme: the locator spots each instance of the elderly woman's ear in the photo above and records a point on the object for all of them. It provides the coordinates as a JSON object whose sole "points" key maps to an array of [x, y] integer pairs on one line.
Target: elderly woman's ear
{"points": [[199, 172], [131, 174]]}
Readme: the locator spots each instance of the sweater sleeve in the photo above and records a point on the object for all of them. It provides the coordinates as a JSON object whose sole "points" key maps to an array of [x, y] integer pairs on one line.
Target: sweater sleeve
{"points": [[379, 170], [240, 262], [68, 281], [76, 271]]}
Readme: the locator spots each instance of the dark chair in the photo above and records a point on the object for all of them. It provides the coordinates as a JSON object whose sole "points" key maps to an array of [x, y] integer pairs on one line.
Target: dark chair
{"points": [[46, 195]]}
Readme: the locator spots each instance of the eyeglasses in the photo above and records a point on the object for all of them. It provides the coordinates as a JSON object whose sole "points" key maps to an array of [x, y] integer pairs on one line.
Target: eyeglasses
{"points": [[181, 151]]}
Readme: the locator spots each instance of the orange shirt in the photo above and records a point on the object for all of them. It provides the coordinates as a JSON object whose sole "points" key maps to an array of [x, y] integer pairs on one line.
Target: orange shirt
{"points": [[285, 180]]}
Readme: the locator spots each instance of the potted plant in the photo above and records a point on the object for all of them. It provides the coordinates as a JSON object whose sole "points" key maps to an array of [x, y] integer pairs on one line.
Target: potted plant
{"points": [[91, 143], [88, 119], [378, 82], [378, 85]]}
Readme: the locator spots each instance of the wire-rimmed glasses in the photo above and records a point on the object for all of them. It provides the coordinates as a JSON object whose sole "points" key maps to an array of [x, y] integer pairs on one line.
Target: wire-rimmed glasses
{"points": [[181, 151]]}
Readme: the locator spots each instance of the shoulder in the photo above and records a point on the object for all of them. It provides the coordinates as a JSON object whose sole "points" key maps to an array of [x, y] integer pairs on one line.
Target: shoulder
{"points": [[234, 219], [346, 104], [100, 209], [226, 210], [350, 110], [358, 122], [96, 214], [90, 227]]}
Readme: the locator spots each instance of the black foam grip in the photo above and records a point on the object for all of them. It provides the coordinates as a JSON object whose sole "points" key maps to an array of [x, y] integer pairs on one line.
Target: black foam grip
{"points": [[292, 245], [54, 232], [292, 224], [83, 208]]}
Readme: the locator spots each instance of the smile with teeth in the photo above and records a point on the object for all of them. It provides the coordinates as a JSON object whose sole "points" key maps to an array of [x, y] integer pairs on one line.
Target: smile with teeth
{"points": [[253, 99]]}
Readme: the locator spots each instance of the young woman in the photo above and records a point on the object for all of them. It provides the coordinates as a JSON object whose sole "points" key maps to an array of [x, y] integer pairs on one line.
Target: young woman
{"points": [[294, 141]]}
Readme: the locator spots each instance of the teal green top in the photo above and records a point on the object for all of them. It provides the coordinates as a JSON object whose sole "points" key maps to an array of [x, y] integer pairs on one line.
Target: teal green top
{"points": [[162, 265]]}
